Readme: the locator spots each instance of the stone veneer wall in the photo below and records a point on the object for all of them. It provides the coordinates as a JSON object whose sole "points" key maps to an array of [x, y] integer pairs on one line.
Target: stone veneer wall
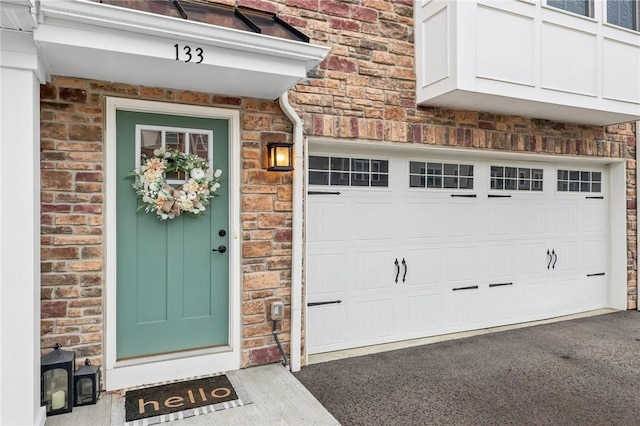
{"points": [[72, 199], [365, 89]]}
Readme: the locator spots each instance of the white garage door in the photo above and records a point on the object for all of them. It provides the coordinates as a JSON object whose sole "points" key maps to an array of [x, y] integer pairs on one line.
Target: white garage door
{"points": [[405, 247]]}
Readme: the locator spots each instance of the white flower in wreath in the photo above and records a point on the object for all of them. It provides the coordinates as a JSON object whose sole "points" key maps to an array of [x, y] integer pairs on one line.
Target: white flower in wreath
{"points": [[197, 173]]}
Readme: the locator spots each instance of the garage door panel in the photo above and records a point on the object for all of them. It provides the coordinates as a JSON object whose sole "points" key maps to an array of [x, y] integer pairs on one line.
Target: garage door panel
{"points": [[326, 327], [502, 219], [423, 221], [425, 312], [503, 261], [371, 222], [594, 217], [462, 265], [423, 268], [568, 257], [374, 319], [372, 270], [594, 256], [326, 222], [533, 219], [462, 307], [504, 302], [567, 218], [328, 272], [462, 219]]}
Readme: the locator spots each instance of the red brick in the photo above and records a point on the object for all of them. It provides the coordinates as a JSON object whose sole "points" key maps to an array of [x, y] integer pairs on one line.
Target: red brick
{"points": [[267, 355], [340, 63], [344, 24], [303, 4], [333, 7], [364, 14], [73, 95], [56, 180], [53, 309]]}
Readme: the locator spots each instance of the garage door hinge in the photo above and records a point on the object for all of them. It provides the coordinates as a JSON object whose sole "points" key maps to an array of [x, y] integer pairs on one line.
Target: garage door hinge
{"points": [[499, 285], [471, 287], [323, 193], [330, 302]]}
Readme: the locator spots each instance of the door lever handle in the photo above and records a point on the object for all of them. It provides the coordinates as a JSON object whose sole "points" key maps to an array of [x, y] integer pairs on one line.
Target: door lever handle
{"points": [[404, 276], [555, 258], [397, 269], [549, 259], [220, 249]]}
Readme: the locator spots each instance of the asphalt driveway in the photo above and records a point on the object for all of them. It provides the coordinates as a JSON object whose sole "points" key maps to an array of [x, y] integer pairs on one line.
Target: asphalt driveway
{"points": [[579, 372]]}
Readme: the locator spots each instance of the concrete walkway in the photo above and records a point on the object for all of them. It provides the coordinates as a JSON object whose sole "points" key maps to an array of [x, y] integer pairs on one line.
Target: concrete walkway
{"points": [[277, 399], [579, 372]]}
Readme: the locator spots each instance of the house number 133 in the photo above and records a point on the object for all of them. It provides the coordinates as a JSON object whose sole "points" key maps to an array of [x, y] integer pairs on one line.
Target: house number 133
{"points": [[196, 55]]}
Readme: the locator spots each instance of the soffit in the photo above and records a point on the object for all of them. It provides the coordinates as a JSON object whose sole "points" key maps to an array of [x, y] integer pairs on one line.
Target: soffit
{"points": [[87, 39]]}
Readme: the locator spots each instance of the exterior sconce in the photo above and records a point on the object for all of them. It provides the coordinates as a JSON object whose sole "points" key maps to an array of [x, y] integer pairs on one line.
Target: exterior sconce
{"points": [[87, 384], [56, 380], [279, 156]]}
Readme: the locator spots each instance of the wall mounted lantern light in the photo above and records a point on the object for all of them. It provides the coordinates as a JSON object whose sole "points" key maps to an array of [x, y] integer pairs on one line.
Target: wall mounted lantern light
{"points": [[279, 156]]}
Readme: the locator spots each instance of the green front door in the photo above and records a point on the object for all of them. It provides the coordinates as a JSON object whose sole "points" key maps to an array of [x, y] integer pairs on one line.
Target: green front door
{"points": [[172, 289]]}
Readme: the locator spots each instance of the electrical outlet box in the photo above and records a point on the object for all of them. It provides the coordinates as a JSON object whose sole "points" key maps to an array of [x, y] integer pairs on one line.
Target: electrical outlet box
{"points": [[277, 311]]}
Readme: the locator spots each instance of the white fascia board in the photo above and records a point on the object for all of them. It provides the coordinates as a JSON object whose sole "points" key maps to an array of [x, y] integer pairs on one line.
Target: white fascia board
{"points": [[78, 12]]}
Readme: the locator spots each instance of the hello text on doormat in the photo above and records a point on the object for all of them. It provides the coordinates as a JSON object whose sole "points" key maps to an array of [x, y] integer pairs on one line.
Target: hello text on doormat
{"points": [[181, 396]]}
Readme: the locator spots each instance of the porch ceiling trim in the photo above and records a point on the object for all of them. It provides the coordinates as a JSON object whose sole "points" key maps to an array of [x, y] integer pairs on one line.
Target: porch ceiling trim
{"points": [[87, 39]]}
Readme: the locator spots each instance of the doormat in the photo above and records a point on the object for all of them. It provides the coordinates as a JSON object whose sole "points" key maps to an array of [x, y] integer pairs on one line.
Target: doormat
{"points": [[179, 400]]}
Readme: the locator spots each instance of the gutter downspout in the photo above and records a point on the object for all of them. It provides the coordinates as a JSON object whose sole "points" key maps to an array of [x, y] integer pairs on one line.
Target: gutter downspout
{"points": [[296, 235]]}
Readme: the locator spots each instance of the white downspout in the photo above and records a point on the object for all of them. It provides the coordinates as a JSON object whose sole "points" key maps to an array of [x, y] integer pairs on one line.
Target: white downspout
{"points": [[296, 235]]}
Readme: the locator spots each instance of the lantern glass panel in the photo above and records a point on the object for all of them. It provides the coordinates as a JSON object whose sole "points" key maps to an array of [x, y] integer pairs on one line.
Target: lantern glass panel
{"points": [[84, 391], [55, 384]]}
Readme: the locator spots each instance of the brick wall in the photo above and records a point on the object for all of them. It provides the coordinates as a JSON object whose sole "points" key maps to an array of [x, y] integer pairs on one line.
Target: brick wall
{"points": [[72, 153]]}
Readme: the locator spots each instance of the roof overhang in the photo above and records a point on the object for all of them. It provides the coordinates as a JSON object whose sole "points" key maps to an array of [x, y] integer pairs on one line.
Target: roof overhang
{"points": [[79, 38]]}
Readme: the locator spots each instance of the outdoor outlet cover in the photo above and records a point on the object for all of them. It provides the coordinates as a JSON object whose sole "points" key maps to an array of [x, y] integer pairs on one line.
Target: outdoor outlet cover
{"points": [[277, 311]]}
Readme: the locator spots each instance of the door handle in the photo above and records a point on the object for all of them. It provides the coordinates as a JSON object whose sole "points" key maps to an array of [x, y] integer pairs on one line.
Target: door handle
{"points": [[550, 258], [397, 269], [404, 276], [220, 249], [555, 258]]}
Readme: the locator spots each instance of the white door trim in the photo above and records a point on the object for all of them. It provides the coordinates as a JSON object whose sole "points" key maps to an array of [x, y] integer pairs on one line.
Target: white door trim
{"points": [[191, 363]]}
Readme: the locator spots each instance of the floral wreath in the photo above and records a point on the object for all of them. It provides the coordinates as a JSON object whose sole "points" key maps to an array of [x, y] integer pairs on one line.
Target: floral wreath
{"points": [[168, 202]]}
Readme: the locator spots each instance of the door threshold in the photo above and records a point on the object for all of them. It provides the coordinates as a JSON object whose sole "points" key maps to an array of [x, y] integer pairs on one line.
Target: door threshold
{"points": [[385, 347]]}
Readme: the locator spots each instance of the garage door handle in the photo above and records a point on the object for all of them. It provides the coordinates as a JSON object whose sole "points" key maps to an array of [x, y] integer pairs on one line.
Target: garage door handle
{"points": [[550, 258], [404, 276], [397, 269], [555, 259]]}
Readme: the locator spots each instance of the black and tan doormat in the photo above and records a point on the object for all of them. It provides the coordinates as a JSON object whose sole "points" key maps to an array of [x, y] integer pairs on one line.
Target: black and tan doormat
{"points": [[179, 400]]}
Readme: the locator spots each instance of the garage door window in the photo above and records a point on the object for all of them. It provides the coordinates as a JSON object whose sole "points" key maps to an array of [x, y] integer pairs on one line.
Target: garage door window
{"points": [[579, 181], [347, 171], [440, 175], [516, 178]]}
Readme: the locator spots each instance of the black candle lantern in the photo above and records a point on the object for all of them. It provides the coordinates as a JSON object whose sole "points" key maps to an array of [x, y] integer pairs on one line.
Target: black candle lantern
{"points": [[87, 384], [279, 156], [56, 381]]}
